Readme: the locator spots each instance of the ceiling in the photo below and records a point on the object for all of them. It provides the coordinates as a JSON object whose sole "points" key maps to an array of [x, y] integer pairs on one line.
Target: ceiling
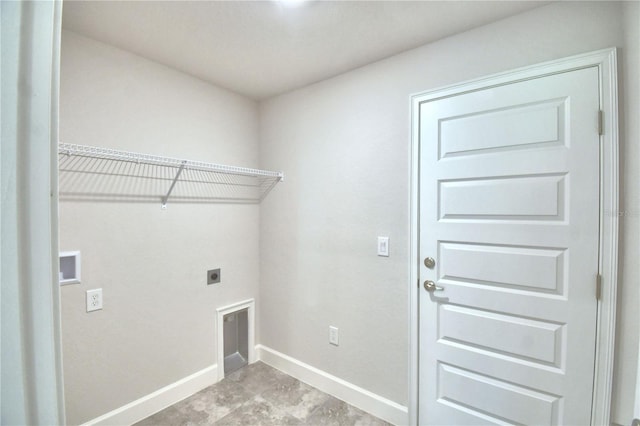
{"points": [[263, 48]]}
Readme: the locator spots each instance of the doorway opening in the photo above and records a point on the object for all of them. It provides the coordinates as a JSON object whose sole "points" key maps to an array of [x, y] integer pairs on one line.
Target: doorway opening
{"points": [[236, 341], [603, 276], [236, 337]]}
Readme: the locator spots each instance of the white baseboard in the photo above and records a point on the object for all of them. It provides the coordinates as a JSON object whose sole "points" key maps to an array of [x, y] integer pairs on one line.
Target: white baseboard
{"points": [[368, 401], [142, 408], [162, 398]]}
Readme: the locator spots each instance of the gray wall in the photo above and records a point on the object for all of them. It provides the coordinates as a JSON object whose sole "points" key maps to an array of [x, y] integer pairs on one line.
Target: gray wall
{"points": [[344, 144], [158, 324]]}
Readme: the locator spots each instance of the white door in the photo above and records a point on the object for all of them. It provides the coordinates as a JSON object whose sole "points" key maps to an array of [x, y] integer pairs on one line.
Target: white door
{"points": [[509, 212]]}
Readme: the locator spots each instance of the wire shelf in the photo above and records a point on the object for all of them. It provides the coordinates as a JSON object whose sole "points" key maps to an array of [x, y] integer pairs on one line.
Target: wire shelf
{"points": [[92, 173]]}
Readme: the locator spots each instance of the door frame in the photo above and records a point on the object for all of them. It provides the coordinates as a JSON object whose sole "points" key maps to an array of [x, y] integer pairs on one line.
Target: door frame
{"points": [[606, 62]]}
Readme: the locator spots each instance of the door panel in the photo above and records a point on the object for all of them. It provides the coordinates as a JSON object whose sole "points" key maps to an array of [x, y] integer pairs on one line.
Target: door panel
{"points": [[509, 208], [512, 336], [505, 403], [513, 198], [502, 266], [517, 127]]}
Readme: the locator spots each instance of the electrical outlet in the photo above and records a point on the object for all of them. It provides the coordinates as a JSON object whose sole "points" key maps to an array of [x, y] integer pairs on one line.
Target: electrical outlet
{"points": [[213, 276], [333, 335], [94, 299]]}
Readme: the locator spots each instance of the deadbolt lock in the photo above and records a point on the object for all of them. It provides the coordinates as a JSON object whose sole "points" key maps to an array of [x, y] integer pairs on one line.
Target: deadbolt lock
{"points": [[429, 262]]}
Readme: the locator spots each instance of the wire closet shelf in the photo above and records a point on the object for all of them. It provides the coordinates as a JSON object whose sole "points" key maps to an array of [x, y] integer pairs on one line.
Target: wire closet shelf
{"points": [[102, 174]]}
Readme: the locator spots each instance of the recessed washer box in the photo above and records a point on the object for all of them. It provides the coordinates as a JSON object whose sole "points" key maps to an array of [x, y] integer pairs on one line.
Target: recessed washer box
{"points": [[69, 267]]}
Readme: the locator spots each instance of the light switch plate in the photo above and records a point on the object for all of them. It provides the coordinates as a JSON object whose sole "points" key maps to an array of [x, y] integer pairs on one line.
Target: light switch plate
{"points": [[333, 335], [383, 246]]}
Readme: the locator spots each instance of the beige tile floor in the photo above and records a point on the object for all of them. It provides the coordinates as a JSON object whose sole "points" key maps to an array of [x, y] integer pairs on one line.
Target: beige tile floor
{"points": [[261, 395]]}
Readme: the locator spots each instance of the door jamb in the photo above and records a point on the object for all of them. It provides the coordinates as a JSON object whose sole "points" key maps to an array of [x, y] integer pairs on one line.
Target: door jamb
{"points": [[606, 62]]}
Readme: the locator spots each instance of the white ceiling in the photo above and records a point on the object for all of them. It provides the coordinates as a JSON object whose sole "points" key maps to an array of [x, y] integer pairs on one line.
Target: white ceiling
{"points": [[263, 48]]}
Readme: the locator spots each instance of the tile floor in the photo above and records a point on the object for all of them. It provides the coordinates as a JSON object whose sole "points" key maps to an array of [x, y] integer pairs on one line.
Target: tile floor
{"points": [[261, 395]]}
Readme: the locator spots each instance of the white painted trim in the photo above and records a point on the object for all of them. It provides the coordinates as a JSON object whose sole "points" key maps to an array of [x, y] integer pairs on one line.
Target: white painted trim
{"points": [[636, 407], [609, 209], [31, 378], [605, 60], [250, 306], [414, 265], [368, 401], [53, 207], [162, 398]]}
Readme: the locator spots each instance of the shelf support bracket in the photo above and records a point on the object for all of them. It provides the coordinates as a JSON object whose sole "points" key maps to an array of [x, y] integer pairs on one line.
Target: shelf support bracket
{"points": [[175, 179]]}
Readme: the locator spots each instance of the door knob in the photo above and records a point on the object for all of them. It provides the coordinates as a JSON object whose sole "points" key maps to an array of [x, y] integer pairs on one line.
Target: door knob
{"points": [[429, 262], [430, 286]]}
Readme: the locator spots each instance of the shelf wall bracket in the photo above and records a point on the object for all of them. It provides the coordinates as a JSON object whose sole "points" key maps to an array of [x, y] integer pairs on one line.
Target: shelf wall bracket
{"points": [[175, 179]]}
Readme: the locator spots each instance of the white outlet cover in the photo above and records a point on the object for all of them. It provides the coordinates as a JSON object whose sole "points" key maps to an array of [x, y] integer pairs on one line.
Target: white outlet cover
{"points": [[94, 300], [383, 246]]}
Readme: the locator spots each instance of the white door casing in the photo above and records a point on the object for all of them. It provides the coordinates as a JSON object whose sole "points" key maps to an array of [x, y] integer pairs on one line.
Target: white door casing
{"points": [[510, 209]]}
